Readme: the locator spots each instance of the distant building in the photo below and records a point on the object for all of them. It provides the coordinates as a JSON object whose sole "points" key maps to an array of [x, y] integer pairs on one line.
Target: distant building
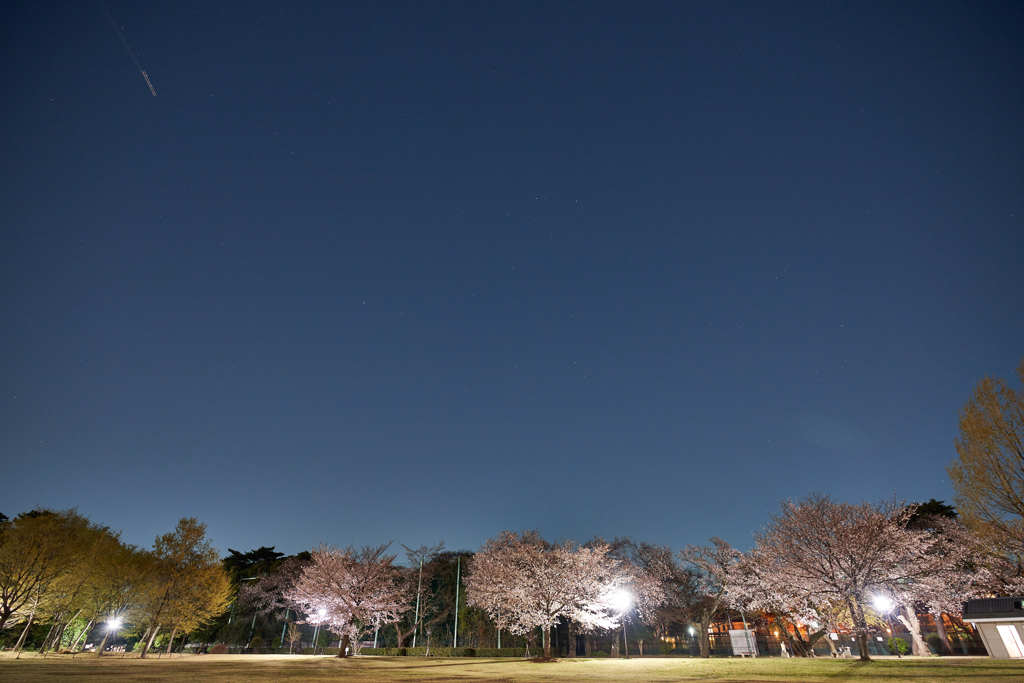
{"points": [[1000, 621]]}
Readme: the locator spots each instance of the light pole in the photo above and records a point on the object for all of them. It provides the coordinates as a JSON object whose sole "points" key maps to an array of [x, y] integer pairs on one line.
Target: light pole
{"points": [[112, 626], [419, 555], [320, 614], [416, 619], [885, 605], [458, 578], [746, 635], [234, 603], [621, 601]]}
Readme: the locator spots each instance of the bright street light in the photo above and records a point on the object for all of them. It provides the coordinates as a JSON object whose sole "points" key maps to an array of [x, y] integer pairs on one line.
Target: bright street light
{"points": [[320, 613], [113, 624], [882, 603], [620, 600]]}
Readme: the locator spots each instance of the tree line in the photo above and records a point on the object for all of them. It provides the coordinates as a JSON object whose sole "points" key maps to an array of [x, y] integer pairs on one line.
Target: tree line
{"points": [[818, 567], [59, 569]]}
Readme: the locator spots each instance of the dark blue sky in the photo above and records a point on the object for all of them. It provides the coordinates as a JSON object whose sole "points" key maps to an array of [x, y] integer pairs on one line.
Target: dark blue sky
{"points": [[431, 270]]}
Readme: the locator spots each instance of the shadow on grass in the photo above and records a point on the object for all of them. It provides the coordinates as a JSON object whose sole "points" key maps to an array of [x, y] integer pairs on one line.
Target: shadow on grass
{"points": [[882, 670], [427, 664]]}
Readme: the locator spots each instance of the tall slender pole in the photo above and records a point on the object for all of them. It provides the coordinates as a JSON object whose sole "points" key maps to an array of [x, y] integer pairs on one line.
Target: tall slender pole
{"points": [[416, 619], [376, 630], [625, 644], [252, 629], [458, 578], [746, 634], [284, 626], [499, 638], [316, 632]]}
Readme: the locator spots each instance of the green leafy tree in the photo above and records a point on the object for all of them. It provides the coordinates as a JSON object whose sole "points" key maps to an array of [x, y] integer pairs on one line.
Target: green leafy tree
{"points": [[189, 584], [988, 475], [37, 549]]}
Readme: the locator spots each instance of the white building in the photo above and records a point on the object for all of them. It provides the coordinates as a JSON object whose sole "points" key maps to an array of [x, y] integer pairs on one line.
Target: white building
{"points": [[1000, 621]]}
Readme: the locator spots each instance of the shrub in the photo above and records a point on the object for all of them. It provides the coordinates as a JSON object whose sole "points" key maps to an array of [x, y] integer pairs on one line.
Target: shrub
{"points": [[502, 652], [384, 651], [897, 645], [219, 649], [452, 652], [598, 653]]}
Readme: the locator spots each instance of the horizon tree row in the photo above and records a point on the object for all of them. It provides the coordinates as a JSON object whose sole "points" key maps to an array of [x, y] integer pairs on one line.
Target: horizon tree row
{"points": [[819, 566]]}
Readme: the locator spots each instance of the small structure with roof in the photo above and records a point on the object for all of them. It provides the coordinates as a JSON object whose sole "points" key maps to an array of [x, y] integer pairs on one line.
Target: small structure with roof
{"points": [[1000, 622]]}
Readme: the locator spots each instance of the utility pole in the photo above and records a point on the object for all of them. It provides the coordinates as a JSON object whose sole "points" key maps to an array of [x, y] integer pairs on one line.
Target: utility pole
{"points": [[746, 634], [418, 555], [416, 619], [458, 578]]}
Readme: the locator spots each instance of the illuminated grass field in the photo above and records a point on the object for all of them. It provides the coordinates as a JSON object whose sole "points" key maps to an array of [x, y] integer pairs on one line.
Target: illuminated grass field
{"points": [[300, 667]]}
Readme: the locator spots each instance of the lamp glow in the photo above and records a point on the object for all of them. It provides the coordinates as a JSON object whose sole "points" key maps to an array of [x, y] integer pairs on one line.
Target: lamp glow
{"points": [[114, 624], [321, 613], [882, 603], [620, 600]]}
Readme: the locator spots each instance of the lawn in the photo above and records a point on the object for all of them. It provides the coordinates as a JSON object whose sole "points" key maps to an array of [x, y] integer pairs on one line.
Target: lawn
{"points": [[301, 667]]}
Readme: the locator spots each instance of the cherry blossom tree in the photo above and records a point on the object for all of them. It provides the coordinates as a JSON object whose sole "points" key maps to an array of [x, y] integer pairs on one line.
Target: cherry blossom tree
{"points": [[350, 591], [715, 568], [754, 588], [523, 582], [670, 588], [837, 552], [266, 595]]}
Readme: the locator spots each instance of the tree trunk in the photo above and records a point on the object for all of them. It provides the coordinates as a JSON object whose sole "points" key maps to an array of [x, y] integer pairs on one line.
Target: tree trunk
{"points": [[545, 635], [170, 642], [570, 650], [940, 629], [46, 640], [59, 638], [831, 644], [103, 643], [82, 637], [909, 619], [862, 645], [343, 645], [861, 624], [5, 615], [705, 641], [24, 631], [398, 634], [149, 643], [588, 645]]}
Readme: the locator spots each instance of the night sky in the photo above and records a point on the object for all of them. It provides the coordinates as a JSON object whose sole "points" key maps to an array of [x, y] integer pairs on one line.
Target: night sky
{"points": [[432, 270]]}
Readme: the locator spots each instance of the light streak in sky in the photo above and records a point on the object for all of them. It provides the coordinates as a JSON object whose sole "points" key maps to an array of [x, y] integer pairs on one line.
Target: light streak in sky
{"points": [[148, 82], [128, 49]]}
